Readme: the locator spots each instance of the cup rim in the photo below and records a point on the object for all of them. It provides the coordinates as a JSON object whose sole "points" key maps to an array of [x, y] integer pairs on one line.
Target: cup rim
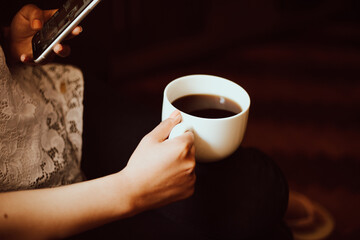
{"points": [[243, 112]]}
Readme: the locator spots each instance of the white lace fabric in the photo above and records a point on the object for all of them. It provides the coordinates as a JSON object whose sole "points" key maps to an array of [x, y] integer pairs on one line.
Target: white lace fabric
{"points": [[41, 112]]}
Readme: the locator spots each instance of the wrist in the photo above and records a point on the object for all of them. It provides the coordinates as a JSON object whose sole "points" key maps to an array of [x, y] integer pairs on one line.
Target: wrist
{"points": [[125, 194], [136, 191]]}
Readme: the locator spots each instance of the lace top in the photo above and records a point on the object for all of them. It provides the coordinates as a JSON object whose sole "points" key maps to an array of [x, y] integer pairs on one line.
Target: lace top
{"points": [[40, 125]]}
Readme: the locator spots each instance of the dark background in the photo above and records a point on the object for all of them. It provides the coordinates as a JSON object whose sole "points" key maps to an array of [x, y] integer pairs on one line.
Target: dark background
{"points": [[298, 59]]}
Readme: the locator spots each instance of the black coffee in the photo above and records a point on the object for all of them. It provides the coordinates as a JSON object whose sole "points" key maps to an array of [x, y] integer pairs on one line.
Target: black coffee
{"points": [[207, 106]]}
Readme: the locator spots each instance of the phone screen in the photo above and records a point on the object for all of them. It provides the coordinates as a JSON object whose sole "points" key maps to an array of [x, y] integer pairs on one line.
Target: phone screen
{"points": [[57, 24]]}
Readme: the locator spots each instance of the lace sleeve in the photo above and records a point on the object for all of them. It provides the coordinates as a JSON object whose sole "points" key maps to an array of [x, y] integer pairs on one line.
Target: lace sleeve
{"points": [[40, 125]]}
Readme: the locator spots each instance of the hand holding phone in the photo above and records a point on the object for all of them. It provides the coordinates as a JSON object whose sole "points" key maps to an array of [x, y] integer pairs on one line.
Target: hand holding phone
{"points": [[27, 21], [56, 29]]}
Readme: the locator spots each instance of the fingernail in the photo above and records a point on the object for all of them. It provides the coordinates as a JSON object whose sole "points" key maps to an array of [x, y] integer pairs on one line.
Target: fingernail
{"points": [[36, 24], [57, 48], [22, 57]]}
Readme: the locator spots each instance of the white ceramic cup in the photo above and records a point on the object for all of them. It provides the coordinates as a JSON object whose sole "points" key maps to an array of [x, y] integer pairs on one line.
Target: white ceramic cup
{"points": [[215, 138]]}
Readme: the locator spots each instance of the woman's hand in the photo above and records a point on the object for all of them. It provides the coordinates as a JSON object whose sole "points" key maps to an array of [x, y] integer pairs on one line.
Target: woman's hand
{"points": [[161, 171], [24, 25]]}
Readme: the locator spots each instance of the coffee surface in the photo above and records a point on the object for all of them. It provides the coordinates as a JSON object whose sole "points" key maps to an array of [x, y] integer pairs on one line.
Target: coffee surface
{"points": [[207, 106]]}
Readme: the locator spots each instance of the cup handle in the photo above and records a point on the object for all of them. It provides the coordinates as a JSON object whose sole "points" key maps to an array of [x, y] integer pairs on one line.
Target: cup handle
{"points": [[180, 129]]}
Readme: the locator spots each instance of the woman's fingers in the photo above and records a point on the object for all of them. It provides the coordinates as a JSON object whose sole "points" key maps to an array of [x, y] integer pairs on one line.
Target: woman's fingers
{"points": [[162, 131], [75, 32], [33, 15], [49, 13], [62, 50]]}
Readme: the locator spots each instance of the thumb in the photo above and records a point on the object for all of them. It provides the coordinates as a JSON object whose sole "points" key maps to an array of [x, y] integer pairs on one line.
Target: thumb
{"points": [[162, 131], [34, 15]]}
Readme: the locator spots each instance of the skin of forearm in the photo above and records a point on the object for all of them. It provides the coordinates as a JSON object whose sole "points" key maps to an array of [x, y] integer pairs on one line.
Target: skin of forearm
{"points": [[64, 211]]}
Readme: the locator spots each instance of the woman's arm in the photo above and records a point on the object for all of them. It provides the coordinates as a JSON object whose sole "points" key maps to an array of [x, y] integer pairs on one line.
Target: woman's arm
{"points": [[64, 211], [159, 172]]}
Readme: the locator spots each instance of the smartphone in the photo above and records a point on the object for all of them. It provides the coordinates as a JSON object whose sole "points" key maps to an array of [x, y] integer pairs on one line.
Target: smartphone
{"points": [[59, 26]]}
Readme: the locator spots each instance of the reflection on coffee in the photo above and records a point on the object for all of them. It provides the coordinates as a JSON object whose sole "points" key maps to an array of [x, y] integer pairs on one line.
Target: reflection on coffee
{"points": [[207, 106]]}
